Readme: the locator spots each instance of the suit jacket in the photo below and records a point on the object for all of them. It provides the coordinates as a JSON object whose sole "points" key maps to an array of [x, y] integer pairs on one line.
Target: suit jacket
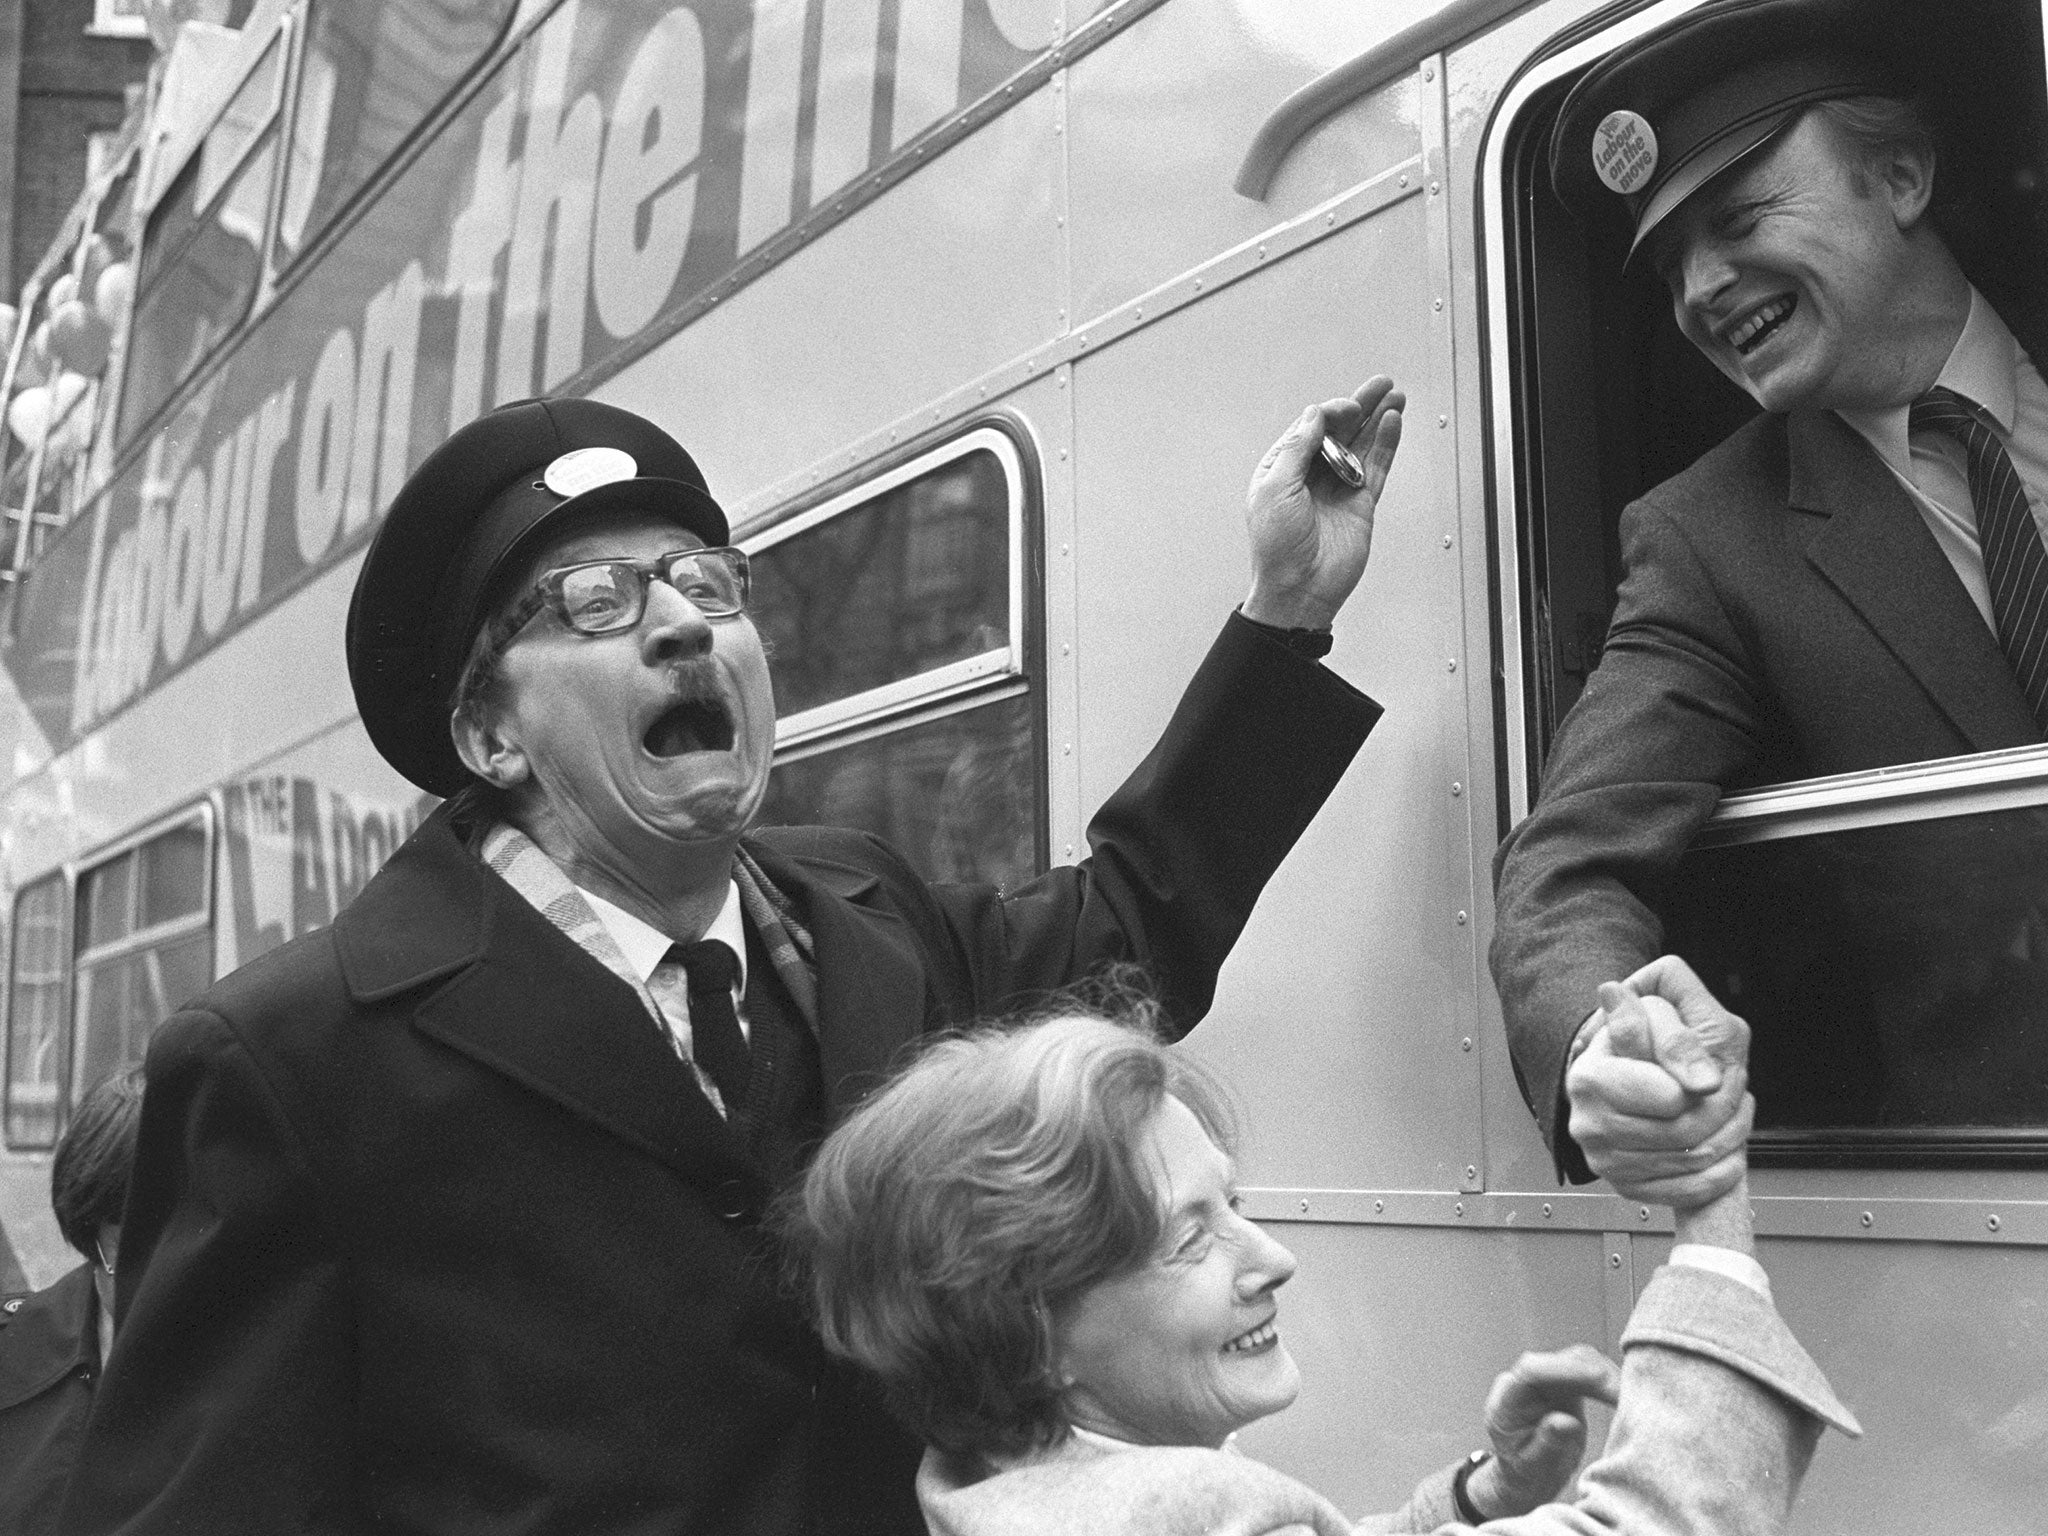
{"points": [[1785, 614], [49, 1359], [432, 1232], [1719, 1414]]}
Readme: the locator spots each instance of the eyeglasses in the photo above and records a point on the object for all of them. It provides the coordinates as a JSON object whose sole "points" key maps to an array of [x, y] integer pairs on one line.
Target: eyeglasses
{"points": [[603, 597]]}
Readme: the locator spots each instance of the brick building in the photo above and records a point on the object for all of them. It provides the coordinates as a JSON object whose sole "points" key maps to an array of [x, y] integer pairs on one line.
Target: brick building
{"points": [[66, 68]]}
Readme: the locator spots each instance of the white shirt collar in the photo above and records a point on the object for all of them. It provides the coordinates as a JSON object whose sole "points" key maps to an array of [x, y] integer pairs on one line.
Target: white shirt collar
{"points": [[1982, 367], [643, 944]]}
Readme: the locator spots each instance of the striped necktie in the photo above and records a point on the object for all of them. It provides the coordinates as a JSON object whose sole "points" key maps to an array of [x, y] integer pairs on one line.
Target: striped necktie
{"points": [[709, 970], [2015, 563]]}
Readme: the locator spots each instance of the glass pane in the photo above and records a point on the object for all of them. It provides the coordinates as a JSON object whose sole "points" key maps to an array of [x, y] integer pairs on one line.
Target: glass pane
{"points": [[106, 903], [957, 796], [372, 73], [916, 578], [1895, 978], [121, 1001], [201, 296], [35, 1014], [173, 875], [178, 212]]}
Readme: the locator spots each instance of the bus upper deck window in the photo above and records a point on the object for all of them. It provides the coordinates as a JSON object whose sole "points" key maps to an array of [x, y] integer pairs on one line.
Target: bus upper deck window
{"points": [[373, 72], [202, 254]]}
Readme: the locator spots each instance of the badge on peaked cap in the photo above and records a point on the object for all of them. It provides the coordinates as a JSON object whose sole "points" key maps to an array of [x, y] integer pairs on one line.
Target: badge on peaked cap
{"points": [[1624, 152], [585, 469]]}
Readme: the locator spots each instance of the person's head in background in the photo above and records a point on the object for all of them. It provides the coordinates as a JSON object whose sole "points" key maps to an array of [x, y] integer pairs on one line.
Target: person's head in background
{"points": [[89, 1178]]}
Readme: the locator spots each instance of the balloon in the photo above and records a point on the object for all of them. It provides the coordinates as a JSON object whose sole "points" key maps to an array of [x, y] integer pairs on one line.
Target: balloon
{"points": [[28, 415], [30, 412], [63, 289], [79, 338], [97, 255], [115, 289]]}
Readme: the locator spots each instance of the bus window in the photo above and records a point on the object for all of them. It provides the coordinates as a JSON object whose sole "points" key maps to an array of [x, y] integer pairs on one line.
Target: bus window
{"points": [[145, 945], [202, 253], [1886, 937], [894, 617], [1882, 932], [372, 73], [35, 1014]]}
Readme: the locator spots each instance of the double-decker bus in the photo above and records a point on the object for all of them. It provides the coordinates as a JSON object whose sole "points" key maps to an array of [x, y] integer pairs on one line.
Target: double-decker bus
{"points": [[977, 313]]}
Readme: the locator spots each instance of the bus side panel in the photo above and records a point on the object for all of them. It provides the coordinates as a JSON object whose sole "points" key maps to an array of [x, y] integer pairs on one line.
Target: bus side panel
{"points": [[1162, 118], [1399, 1332], [960, 269], [1337, 1015]]}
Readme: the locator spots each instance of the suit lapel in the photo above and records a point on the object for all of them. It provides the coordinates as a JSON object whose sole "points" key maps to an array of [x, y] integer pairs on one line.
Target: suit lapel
{"points": [[518, 997], [871, 993], [1877, 552]]}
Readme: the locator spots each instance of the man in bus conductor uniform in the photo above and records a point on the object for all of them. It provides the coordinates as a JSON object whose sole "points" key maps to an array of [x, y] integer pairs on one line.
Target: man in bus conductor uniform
{"points": [[1855, 578], [453, 1216]]}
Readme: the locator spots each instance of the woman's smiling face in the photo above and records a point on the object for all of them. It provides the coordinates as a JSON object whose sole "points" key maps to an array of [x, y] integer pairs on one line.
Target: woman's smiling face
{"points": [[1184, 1349]]}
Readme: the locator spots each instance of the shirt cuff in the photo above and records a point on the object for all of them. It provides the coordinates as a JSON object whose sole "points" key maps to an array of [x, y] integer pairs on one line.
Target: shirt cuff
{"points": [[1739, 1267]]}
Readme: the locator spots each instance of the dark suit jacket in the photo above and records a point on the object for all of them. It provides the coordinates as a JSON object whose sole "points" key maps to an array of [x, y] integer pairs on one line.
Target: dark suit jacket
{"points": [[49, 1358], [435, 1234], [1785, 614]]}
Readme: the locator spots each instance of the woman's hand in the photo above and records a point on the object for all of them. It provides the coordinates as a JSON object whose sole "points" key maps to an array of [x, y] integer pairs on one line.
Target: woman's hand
{"points": [[1536, 1419]]}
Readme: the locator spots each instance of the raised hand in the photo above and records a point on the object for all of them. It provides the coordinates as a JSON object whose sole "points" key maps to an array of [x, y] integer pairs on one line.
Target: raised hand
{"points": [[1311, 533], [1536, 1419], [1660, 1099]]}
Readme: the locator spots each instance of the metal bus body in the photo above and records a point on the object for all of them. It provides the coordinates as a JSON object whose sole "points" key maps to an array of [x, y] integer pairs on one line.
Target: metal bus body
{"points": [[976, 313]]}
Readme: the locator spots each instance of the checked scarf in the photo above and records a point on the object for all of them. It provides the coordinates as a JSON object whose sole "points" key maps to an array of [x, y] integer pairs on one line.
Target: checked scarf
{"points": [[519, 861]]}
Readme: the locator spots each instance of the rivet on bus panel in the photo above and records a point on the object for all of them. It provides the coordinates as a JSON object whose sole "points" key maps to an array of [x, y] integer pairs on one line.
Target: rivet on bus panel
{"points": [[1471, 1171], [1546, 1210], [1462, 919], [1465, 1044], [1459, 1208], [1428, 72], [1450, 663], [1614, 1261], [1457, 789], [1991, 1222], [1378, 1206], [1447, 541], [1642, 1213], [1304, 1207], [1867, 1219]]}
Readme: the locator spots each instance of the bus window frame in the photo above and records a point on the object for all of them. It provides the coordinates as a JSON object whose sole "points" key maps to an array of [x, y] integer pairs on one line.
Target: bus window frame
{"points": [[316, 237], [67, 908], [955, 687], [205, 814], [1977, 783]]}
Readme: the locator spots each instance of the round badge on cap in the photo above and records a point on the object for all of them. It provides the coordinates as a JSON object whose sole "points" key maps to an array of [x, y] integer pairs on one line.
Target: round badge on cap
{"points": [[586, 469], [1624, 151]]}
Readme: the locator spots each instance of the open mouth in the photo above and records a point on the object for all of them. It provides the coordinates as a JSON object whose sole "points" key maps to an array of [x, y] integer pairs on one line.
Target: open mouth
{"points": [[1761, 326], [1263, 1337], [690, 725]]}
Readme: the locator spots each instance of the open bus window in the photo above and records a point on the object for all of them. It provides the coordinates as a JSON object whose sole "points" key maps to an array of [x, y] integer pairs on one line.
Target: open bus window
{"points": [[1883, 1032], [39, 966], [896, 625], [372, 74], [145, 945], [202, 254]]}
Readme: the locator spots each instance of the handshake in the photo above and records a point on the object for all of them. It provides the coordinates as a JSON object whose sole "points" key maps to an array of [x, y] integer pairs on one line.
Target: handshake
{"points": [[1659, 1089]]}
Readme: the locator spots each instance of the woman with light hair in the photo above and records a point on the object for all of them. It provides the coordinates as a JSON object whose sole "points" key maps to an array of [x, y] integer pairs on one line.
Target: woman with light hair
{"points": [[1032, 1237]]}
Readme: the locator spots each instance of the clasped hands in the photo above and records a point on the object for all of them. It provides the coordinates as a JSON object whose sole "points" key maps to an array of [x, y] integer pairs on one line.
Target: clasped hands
{"points": [[1659, 1089]]}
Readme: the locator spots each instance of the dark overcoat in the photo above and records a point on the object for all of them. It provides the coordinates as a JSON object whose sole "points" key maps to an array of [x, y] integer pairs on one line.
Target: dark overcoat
{"points": [[1785, 614], [432, 1232], [49, 1359]]}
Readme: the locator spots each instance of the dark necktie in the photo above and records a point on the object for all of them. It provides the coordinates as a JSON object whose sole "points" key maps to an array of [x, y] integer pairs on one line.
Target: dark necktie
{"points": [[2015, 564], [715, 1038]]}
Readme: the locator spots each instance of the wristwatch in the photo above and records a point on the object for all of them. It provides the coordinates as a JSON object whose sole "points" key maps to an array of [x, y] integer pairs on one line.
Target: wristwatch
{"points": [[1468, 1512]]}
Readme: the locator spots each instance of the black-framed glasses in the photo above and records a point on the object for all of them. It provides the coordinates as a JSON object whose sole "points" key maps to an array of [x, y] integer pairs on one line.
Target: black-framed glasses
{"points": [[603, 597]]}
